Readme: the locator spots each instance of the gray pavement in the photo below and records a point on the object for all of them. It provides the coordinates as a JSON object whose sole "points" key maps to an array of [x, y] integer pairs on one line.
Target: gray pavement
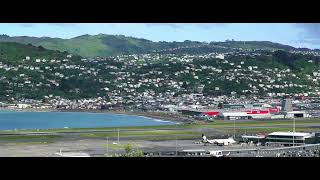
{"points": [[98, 147]]}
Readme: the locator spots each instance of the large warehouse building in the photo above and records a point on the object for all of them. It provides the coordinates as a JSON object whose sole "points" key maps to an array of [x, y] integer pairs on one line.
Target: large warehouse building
{"points": [[284, 138], [251, 114], [247, 111], [290, 138], [297, 114]]}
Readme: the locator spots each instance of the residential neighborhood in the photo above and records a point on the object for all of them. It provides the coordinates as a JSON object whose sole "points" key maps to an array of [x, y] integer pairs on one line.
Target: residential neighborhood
{"points": [[151, 81]]}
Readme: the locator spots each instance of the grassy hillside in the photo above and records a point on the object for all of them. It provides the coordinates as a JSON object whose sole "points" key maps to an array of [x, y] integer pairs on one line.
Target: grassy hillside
{"points": [[264, 45], [109, 45], [14, 52], [83, 46], [74, 79], [90, 45]]}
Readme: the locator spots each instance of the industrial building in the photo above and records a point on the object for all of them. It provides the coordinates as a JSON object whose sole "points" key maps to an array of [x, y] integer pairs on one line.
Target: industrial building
{"points": [[248, 111], [288, 112], [290, 138], [234, 115], [250, 114], [254, 139], [297, 114], [287, 105], [283, 138]]}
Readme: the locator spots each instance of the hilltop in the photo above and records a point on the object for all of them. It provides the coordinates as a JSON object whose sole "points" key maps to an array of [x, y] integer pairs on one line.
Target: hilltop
{"points": [[14, 52], [103, 45], [97, 45], [254, 45], [132, 78]]}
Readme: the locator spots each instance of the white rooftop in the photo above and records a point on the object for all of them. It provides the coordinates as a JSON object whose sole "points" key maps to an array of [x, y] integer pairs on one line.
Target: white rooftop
{"points": [[258, 137], [296, 112], [194, 150], [290, 134]]}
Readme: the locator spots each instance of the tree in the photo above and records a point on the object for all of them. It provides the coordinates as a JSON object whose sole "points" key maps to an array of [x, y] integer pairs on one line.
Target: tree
{"points": [[41, 48], [132, 152]]}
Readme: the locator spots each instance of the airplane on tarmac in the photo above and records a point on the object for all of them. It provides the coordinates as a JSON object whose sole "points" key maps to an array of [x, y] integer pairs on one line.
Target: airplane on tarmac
{"points": [[219, 142]]}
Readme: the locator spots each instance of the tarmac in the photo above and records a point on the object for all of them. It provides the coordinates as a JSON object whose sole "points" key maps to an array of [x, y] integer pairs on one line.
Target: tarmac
{"points": [[98, 147]]}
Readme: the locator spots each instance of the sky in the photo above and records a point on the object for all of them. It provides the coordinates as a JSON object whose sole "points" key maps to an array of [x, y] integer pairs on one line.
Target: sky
{"points": [[294, 34]]}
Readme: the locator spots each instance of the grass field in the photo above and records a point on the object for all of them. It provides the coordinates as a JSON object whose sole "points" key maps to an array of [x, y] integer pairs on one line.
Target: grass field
{"points": [[141, 133], [119, 146], [168, 132], [193, 131], [216, 124], [33, 143], [32, 138]]}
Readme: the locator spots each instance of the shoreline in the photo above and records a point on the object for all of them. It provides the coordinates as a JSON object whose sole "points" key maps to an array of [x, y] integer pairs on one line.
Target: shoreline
{"points": [[165, 116]]}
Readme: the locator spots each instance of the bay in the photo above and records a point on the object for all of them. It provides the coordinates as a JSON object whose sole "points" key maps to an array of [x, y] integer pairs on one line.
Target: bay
{"points": [[10, 120]]}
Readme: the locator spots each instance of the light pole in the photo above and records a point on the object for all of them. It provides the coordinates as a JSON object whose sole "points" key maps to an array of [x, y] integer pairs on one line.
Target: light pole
{"points": [[234, 128], [107, 146], [176, 145], [118, 135], [294, 130]]}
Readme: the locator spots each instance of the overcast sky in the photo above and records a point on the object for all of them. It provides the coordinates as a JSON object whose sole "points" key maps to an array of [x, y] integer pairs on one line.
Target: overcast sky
{"points": [[298, 35]]}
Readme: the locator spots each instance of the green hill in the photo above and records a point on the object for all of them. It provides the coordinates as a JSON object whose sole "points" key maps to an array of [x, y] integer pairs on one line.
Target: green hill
{"points": [[14, 52], [110, 45], [254, 45], [96, 45], [75, 78]]}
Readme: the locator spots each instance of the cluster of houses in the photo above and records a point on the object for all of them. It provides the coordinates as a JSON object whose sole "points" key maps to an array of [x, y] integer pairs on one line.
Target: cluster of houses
{"points": [[150, 81], [123, 73]]}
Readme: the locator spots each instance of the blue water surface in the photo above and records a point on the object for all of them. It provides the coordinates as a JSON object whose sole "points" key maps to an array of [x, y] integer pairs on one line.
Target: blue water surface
{"points": [[10, 120]]}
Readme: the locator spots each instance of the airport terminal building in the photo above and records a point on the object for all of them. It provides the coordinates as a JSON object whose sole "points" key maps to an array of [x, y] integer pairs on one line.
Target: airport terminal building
{"points": [[289, 138], [283, 138]]}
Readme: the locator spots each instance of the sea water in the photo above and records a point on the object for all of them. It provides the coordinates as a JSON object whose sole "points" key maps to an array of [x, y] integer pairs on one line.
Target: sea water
{"points": [[11, 120]]}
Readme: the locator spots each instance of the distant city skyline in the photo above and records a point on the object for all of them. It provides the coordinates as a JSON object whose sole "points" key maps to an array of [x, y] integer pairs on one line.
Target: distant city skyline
{"points": [[294, 34]]}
